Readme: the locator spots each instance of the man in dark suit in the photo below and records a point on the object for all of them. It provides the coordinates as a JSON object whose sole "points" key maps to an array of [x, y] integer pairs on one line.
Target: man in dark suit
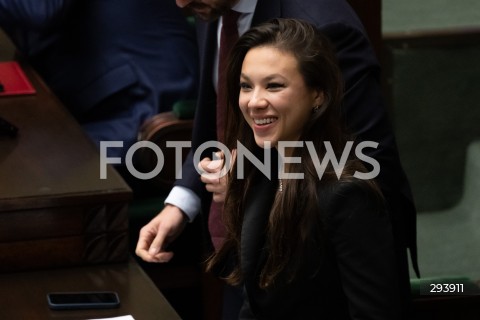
{"points": [[364, 112], [113, 63]]}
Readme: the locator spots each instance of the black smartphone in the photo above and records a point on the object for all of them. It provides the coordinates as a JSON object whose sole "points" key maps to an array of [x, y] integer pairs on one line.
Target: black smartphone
{"points": [[83, 300]]}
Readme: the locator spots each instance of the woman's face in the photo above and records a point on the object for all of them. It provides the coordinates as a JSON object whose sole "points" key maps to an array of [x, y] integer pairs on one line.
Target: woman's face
{"points": [[274, 99]]}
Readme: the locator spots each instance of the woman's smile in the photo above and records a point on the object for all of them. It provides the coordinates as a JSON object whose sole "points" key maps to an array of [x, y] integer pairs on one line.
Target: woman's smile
{"points": [[264, 121]]}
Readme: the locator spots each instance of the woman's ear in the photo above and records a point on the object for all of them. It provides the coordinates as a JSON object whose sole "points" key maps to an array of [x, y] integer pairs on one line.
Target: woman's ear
{"points": [[319, 97]]}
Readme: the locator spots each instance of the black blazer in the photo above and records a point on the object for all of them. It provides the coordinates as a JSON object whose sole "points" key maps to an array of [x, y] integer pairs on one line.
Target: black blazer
{"points": [[364, 109], [358, 276]]}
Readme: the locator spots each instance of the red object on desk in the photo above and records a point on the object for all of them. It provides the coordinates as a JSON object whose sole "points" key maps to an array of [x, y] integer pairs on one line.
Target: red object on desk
{"points": [[14, 80]]}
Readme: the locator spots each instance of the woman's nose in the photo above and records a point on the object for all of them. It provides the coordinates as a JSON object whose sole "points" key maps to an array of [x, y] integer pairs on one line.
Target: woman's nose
{"points": [[257, 100]]}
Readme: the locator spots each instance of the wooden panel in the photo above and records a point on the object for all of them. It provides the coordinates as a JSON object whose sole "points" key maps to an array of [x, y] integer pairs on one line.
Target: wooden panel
{"points": [[435, 38], [69, 251], [55, 209], [24, 294], [63, 236], [51, 162]]}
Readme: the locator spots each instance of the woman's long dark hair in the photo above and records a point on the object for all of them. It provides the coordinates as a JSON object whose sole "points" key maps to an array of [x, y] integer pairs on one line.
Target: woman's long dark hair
{"points": [[295, 224]]}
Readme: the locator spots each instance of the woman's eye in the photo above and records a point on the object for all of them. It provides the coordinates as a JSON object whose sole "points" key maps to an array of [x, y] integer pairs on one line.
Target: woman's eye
{"points": [[244, 86], [275, 85]]}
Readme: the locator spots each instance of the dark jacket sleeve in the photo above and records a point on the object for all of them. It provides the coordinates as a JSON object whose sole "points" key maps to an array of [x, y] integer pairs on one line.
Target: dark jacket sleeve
{"points": [[364, 109], [33, 14], [360, 236], [204, 128]]}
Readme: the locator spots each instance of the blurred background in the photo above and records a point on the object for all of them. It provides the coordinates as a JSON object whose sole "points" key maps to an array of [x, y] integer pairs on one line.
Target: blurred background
{"points": [[432, 82]]}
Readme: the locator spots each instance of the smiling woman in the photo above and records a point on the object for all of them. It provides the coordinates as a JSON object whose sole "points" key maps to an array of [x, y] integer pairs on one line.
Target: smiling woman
{"points": [[271, 85], [321, 245]]}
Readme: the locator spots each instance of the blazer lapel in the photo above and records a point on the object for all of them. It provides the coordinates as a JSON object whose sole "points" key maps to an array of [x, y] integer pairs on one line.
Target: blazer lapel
{"points": [[207, 36], [255, 220]]}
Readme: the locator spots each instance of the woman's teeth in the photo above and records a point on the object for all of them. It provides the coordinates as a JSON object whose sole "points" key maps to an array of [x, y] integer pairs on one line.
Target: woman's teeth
{"points": [[264, 121]]}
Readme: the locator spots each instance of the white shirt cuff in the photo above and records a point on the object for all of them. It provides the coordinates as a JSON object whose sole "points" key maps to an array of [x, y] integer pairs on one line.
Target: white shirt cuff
{"points": [[186, 200]]}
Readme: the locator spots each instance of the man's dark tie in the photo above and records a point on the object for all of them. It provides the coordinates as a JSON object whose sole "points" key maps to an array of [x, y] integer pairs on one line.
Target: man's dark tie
{"points": [[228, 37]]}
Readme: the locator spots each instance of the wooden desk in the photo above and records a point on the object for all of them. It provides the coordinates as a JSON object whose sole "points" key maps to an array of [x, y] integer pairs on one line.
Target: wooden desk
{"points": [[54, 208], [24, 294]]}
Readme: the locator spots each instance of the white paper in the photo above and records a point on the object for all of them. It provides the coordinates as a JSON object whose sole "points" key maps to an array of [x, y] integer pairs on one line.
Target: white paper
{"points": [[129, 317]]}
